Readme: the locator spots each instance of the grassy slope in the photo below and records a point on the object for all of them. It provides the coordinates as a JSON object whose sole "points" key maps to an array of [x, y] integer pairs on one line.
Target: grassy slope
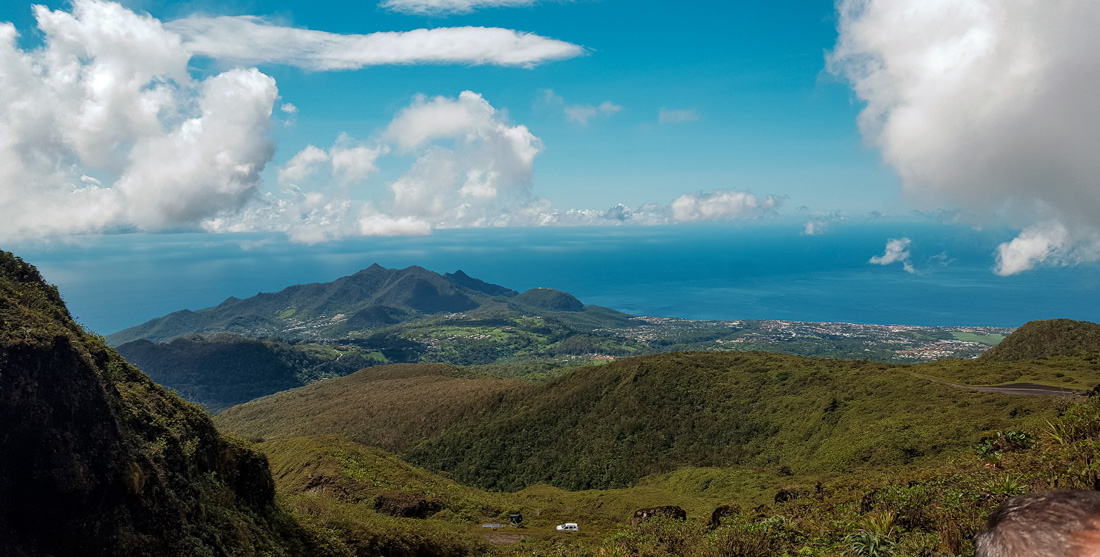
{"points": [[355, 492], [609, 426], [373, 502], [1073, 372], [385, 406], [364, 493], [932, 510]]}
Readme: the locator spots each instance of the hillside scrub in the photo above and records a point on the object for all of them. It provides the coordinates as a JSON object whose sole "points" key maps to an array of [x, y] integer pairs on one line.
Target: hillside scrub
{"points": [[385, 406], [1045, 339], [934, 508], [609, 426], [931, 510]]}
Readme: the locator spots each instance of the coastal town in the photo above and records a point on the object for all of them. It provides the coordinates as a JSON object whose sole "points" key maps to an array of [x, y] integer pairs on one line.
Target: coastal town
{"points": [[892, 343]]}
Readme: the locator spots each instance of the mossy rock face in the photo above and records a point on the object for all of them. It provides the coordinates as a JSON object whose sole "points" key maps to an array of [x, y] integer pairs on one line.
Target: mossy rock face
{"points": [[549, 299], [96, 459], [1045, 339]]}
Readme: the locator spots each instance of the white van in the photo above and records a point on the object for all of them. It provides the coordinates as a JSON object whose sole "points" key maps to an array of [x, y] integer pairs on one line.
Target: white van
{"points": [[568, 527]]}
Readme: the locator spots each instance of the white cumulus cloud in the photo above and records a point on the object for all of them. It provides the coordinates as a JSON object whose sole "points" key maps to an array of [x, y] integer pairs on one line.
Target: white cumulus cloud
{"points": [[254, 40], [209, 163], [897, 251], [471, 168], [719, 205], [102, 128], [1033, 247], [470, 160], [990, 105], [347, 161]]}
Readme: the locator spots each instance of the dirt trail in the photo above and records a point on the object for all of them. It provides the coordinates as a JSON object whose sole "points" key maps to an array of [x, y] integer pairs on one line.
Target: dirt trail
{"points": [[1015, 388]]}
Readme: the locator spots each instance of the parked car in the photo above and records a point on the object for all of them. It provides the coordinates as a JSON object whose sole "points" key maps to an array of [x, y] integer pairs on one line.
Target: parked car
{"points": [[568, 527]]}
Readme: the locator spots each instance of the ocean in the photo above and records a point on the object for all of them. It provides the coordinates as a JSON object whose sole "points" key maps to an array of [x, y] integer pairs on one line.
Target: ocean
{"points": [[749, 271]]}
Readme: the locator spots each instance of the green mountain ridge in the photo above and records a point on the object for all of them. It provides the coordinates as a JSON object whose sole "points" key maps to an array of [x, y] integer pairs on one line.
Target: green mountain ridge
{"points": [[608, 426], [355, 305], [244, 349]]}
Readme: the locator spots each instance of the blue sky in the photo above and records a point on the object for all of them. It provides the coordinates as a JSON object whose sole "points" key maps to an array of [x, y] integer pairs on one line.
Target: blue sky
{"points": [[322, 122]]}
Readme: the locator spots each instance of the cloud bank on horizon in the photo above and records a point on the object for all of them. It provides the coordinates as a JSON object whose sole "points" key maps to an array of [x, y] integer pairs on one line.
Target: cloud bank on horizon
{"points": [[989, 105], [103, 129]]}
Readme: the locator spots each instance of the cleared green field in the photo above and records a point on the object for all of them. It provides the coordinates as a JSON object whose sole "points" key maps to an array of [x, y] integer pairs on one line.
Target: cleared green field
{"points": [[987, 339]]}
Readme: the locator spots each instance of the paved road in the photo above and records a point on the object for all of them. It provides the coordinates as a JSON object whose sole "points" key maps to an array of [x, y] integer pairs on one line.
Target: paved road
{"points": [[1016, 389]]}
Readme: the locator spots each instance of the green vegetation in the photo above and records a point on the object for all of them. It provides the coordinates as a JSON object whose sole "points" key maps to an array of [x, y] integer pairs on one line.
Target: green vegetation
{"points": [[245, 349], [385, 406], [987, 339], [549, 299], [609, 426], [379, 501], [935, 510], [367, 497], [222, 370], [372, 503], [96, 459], [362, 304], [1045, 339], [768, 454], [1064, 371]]}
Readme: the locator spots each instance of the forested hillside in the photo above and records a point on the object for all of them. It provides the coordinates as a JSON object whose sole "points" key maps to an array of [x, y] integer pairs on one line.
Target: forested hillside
{"points": [[1045, 339], [608, 426], [357, 305], [222, 370]]}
